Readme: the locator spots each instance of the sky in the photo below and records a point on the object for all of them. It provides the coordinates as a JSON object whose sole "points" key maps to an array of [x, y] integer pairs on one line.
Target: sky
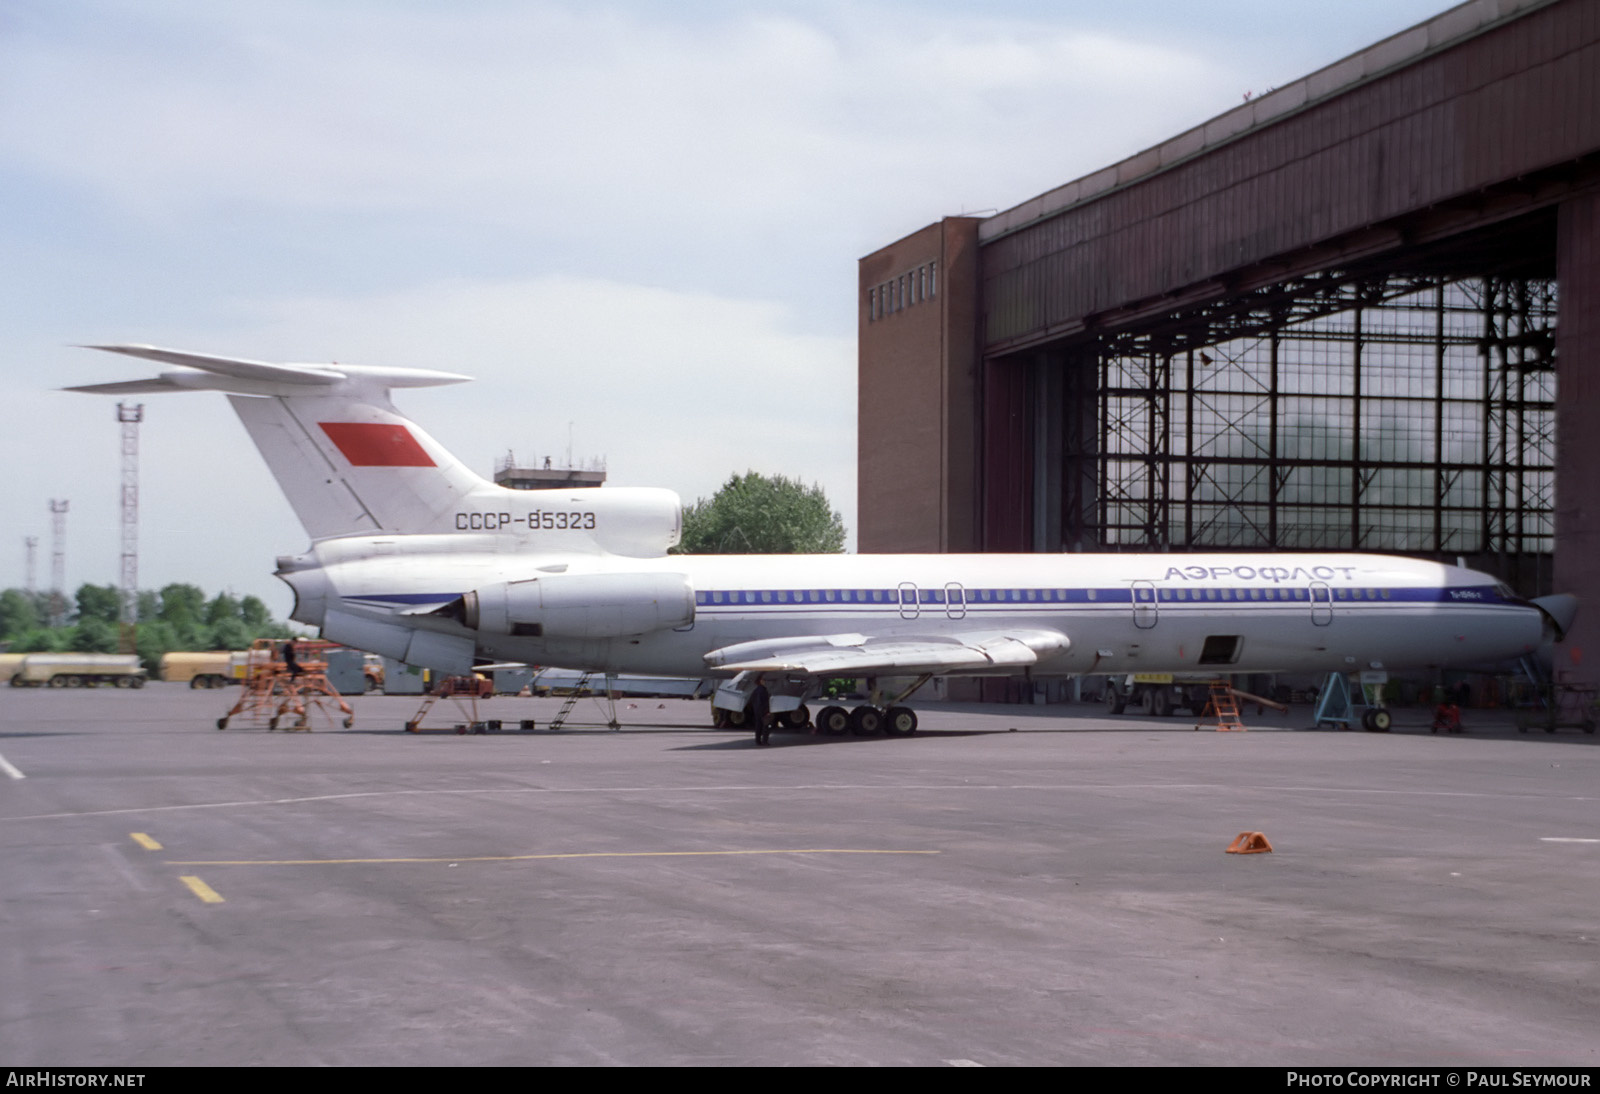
{"points": [[635, 224]]}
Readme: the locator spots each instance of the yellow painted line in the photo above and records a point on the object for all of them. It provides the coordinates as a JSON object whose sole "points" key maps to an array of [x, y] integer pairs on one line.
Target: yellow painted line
{"points": [[530, 858], [145, 841], [202, 890]]}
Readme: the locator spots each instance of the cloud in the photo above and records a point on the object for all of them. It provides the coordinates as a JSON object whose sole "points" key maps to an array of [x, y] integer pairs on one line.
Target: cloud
{"points": [[552, 119], [672, 388]]}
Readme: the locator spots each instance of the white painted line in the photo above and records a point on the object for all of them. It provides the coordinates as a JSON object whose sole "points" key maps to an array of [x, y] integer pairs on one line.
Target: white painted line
{"points": [[1566, 839], [9, 770], [811, 788], [963, 1063]]}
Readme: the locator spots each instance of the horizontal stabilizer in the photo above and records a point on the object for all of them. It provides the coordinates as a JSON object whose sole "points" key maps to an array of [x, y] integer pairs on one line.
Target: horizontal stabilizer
{"points": [[241, 376], [237, 367], [128, 387]]}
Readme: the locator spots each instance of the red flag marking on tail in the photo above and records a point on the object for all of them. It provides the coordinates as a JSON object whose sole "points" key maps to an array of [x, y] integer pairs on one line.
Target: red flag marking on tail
{"points": [[375, 444]]}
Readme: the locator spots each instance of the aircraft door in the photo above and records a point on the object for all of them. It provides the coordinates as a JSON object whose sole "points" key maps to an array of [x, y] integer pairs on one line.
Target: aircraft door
{"points": [[955, 600], [1145, 612], [909, 608], [1321, 603]]}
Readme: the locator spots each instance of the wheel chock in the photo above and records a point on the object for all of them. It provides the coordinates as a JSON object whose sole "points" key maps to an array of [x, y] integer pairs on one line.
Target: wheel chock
{"points": [[1250, 843]]}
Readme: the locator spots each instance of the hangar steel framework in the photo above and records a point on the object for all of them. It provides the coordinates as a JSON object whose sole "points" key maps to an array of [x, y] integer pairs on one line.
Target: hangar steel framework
{"points": [[1389, 412]]}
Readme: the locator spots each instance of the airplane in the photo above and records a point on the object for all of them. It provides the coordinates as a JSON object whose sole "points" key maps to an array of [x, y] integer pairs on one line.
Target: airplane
{"points": [[416, 557]]}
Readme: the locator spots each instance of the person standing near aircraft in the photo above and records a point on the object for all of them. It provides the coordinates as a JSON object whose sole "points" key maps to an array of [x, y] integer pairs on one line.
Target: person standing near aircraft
{"points": [[761, 713]]}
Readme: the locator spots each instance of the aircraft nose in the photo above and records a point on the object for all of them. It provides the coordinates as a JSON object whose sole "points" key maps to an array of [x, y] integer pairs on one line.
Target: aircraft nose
{"points": [[1560, 610]]}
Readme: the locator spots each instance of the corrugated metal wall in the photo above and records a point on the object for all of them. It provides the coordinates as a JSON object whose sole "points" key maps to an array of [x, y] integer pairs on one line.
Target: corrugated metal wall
{"points": [[1516, 100]]}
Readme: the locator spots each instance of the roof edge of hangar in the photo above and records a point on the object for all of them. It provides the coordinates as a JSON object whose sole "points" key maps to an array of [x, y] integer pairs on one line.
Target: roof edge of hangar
{"points": [[1445, 30]]}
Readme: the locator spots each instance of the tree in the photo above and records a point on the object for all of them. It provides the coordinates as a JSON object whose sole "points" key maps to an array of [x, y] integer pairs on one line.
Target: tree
{"points": [[181, 604], [253, 611], [102, 603], [756, 514], [225, 608], [19, 613]]}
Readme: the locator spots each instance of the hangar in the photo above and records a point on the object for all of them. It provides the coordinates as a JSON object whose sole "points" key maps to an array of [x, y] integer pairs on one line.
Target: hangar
{"points": [[1332, 318]]}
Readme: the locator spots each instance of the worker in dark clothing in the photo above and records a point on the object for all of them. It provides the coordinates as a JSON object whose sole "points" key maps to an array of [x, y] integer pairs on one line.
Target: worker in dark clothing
{"points": [[760, 709], [289, 662]]}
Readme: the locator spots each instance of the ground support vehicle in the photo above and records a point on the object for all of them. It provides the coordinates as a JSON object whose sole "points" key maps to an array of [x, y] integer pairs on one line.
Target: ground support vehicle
{"points": [[213, 669], [78, 670], [275, 690], [1569, 704], [1158, 693]]}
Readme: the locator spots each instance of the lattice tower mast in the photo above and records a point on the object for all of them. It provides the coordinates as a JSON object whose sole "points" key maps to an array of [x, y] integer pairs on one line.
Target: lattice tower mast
{"points": [[130, 417], [58, 561]]}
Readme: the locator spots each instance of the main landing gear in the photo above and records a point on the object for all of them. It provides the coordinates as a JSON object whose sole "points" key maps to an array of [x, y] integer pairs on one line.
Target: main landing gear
{"points": [[890, 719], [830, 721], [867, 721]]}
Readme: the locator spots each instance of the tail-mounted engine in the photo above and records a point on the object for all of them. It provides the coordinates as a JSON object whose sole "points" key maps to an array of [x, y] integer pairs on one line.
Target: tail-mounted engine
{"points": [[578, 606]]}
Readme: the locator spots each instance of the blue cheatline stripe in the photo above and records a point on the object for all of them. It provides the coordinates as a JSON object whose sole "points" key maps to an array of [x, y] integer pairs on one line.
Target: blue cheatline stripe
{"points": [[406, 598], [870, 599], [1166, 595]]}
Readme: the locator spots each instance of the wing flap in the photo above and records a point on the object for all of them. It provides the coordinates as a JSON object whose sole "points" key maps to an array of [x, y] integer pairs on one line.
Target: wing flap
{"points": [[831, 655]]}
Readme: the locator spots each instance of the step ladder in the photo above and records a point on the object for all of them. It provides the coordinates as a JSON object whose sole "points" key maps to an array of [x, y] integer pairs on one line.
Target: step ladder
{"points": [[577, 693], [1226, 709]]}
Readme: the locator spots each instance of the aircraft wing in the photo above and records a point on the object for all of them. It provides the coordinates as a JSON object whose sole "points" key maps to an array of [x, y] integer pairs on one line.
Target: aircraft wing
{"points": [[861, 655]]}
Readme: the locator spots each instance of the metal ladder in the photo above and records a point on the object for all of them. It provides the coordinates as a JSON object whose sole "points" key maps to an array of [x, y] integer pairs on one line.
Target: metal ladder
{"points": [[1225, 707], [576, 694]]}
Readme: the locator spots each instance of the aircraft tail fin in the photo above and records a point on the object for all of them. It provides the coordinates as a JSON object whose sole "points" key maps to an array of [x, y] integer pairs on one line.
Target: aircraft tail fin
{"points": [[348, 461]]}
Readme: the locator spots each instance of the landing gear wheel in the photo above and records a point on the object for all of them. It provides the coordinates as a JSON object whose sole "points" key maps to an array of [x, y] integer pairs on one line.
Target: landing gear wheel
{"points": [[866, 721], [900, 721], [796, 719], [1377, 721], [736, 719], [833, 721], [719, 718]]}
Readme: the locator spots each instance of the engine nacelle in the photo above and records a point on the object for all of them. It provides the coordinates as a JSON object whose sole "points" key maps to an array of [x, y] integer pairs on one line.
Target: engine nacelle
{"points": [[581, 605]]}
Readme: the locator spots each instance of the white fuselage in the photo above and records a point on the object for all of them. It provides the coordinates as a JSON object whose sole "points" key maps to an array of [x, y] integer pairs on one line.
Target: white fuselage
{"points": [[1119, 613], [418, 558]]}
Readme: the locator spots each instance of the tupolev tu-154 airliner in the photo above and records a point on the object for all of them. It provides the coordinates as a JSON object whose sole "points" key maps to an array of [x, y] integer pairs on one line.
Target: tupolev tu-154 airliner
{"points": [[415, 557]]}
